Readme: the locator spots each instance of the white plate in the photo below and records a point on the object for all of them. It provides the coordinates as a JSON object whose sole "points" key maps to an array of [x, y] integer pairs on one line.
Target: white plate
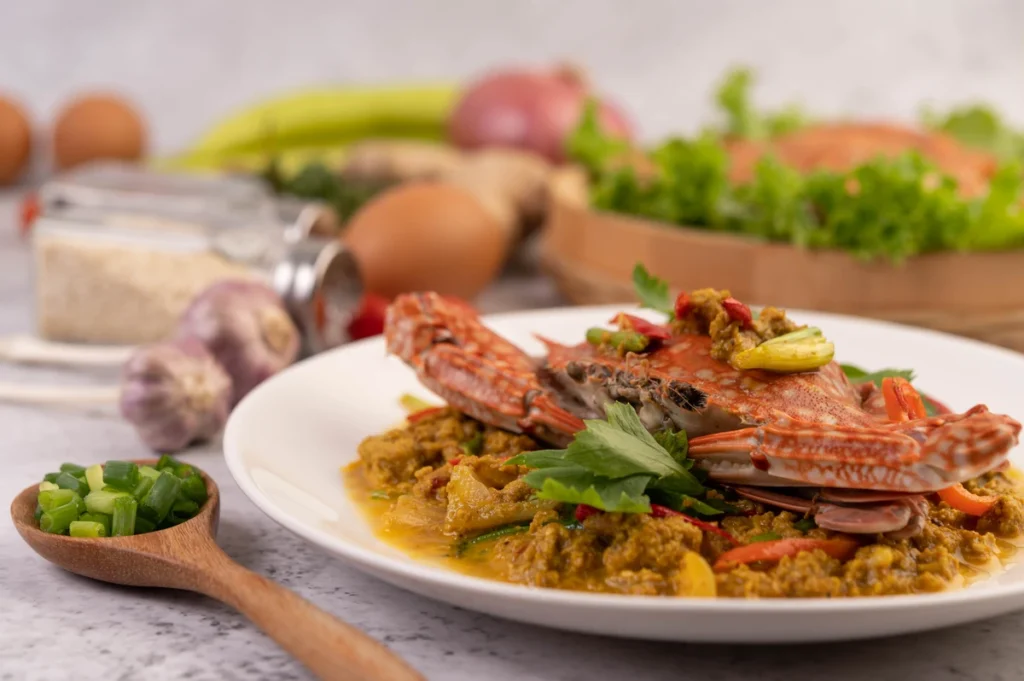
{"points": [[286, 441]]}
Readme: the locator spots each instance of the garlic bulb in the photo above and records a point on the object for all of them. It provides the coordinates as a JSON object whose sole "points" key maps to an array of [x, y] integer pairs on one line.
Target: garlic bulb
{"points": [[246, 327], [175, 393]]}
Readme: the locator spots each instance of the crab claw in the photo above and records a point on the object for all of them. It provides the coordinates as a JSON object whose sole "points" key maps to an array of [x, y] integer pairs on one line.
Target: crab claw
{"points": [[474, 369], [922, 455]]}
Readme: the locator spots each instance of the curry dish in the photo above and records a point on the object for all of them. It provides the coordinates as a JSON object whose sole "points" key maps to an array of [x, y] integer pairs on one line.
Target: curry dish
{"points": [[720, 453], [439, 488]]}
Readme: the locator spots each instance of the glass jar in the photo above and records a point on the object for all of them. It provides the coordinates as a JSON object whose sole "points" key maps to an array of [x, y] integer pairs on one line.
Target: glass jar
{"points": [[120, 252]]}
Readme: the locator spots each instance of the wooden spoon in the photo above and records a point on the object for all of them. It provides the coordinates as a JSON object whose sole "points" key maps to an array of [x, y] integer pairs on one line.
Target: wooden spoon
{"points": [[187, 557]]}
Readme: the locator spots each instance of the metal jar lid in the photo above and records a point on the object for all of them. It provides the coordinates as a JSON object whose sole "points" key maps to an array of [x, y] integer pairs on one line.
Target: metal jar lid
{"points": [[319, 282]]}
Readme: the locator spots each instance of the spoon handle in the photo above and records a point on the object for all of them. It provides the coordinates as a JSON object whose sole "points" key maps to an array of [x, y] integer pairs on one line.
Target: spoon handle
{"points": [[331, 649]]}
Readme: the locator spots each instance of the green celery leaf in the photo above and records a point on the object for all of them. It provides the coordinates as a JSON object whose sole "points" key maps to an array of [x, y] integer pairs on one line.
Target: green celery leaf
{"points": [[625, 418], [858, 375], [679, 484], [606, 450], [652, 291], [675, 443], [683, 502], [575, 486], [543, 458], [622, 447]]}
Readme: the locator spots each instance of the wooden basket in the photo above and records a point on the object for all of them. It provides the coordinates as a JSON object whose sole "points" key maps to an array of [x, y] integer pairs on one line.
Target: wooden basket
{"points": [[591, 255]]}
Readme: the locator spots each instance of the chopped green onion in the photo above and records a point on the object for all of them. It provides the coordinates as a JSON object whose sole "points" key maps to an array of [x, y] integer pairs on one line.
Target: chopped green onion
{"points": [[101, 518], [475, 445], [149, 472], [764, 536], [165, 462], [71, 468], [52, 498], [506, 531], [50, 477], [121, 475], [58, 519], [142, 526], [380, 495], [184, 471], [94, 476], [102, 501], [84, 528], [158, 501], [141, 489], [122, 522], [38, 512], [44, 486], [194, 488], [68, 481], [184, 509], [805, 524]]}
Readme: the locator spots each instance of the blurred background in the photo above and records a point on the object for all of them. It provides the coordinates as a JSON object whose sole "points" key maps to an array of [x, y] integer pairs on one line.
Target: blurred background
{"points": [[190, 63], [861, 157]]}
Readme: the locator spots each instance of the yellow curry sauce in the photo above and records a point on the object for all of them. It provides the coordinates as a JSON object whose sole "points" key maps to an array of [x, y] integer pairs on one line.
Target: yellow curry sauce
{"points": [[438, 490]]}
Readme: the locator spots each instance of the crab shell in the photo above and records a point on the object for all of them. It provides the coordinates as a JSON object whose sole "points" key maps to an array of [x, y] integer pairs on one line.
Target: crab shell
{"points": [[750, 428]]}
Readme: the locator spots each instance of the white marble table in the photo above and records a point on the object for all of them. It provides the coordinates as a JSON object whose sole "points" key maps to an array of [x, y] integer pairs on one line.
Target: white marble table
{"points": [[56, 626]]}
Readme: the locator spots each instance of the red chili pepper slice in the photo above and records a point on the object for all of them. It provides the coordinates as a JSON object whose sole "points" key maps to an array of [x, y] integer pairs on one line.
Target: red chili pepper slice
{"points": [[369, 317], [682, 304], [628, 322], [773, 551], [29, 212], [455, 460], [424, 413], [659, 511], [738, 312], [583, 512], [902, 401]]}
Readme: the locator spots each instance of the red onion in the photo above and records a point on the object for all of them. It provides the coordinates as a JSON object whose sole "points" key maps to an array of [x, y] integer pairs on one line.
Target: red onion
{"points": [[533, 110]]}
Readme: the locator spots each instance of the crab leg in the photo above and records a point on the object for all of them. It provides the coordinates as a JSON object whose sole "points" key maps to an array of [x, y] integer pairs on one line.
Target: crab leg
{"points": [[896, 515], [474, 369], [922, 455]]}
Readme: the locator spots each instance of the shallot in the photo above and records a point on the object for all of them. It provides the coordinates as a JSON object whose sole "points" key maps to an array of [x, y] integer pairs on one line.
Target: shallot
{"points": [[175, 393], [246, 327], [533, 110]]}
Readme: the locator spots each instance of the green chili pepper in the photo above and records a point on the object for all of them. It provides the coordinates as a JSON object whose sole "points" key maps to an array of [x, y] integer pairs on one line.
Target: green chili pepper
{"points": [[623, 341]]}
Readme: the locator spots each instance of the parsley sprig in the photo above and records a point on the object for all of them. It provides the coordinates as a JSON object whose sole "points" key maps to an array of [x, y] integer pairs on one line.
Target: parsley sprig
{"points": [[618, 466], [652, 291]]}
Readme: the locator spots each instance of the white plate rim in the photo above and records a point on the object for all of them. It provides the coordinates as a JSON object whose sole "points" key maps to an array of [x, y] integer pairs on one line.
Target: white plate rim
{"points": [[381, 566]]}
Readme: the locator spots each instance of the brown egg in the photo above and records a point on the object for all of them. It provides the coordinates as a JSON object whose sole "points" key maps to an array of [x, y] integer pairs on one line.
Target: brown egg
{"points": [[97, 126], [15, 141], [426, 236]]}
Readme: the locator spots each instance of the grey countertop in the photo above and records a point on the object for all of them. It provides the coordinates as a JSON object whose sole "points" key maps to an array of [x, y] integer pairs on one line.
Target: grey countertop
{"points": [[54, 625]]}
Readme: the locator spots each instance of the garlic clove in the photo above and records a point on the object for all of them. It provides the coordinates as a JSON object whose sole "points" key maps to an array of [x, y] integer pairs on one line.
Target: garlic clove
{"points": [[246, 327], [175, 393]]}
